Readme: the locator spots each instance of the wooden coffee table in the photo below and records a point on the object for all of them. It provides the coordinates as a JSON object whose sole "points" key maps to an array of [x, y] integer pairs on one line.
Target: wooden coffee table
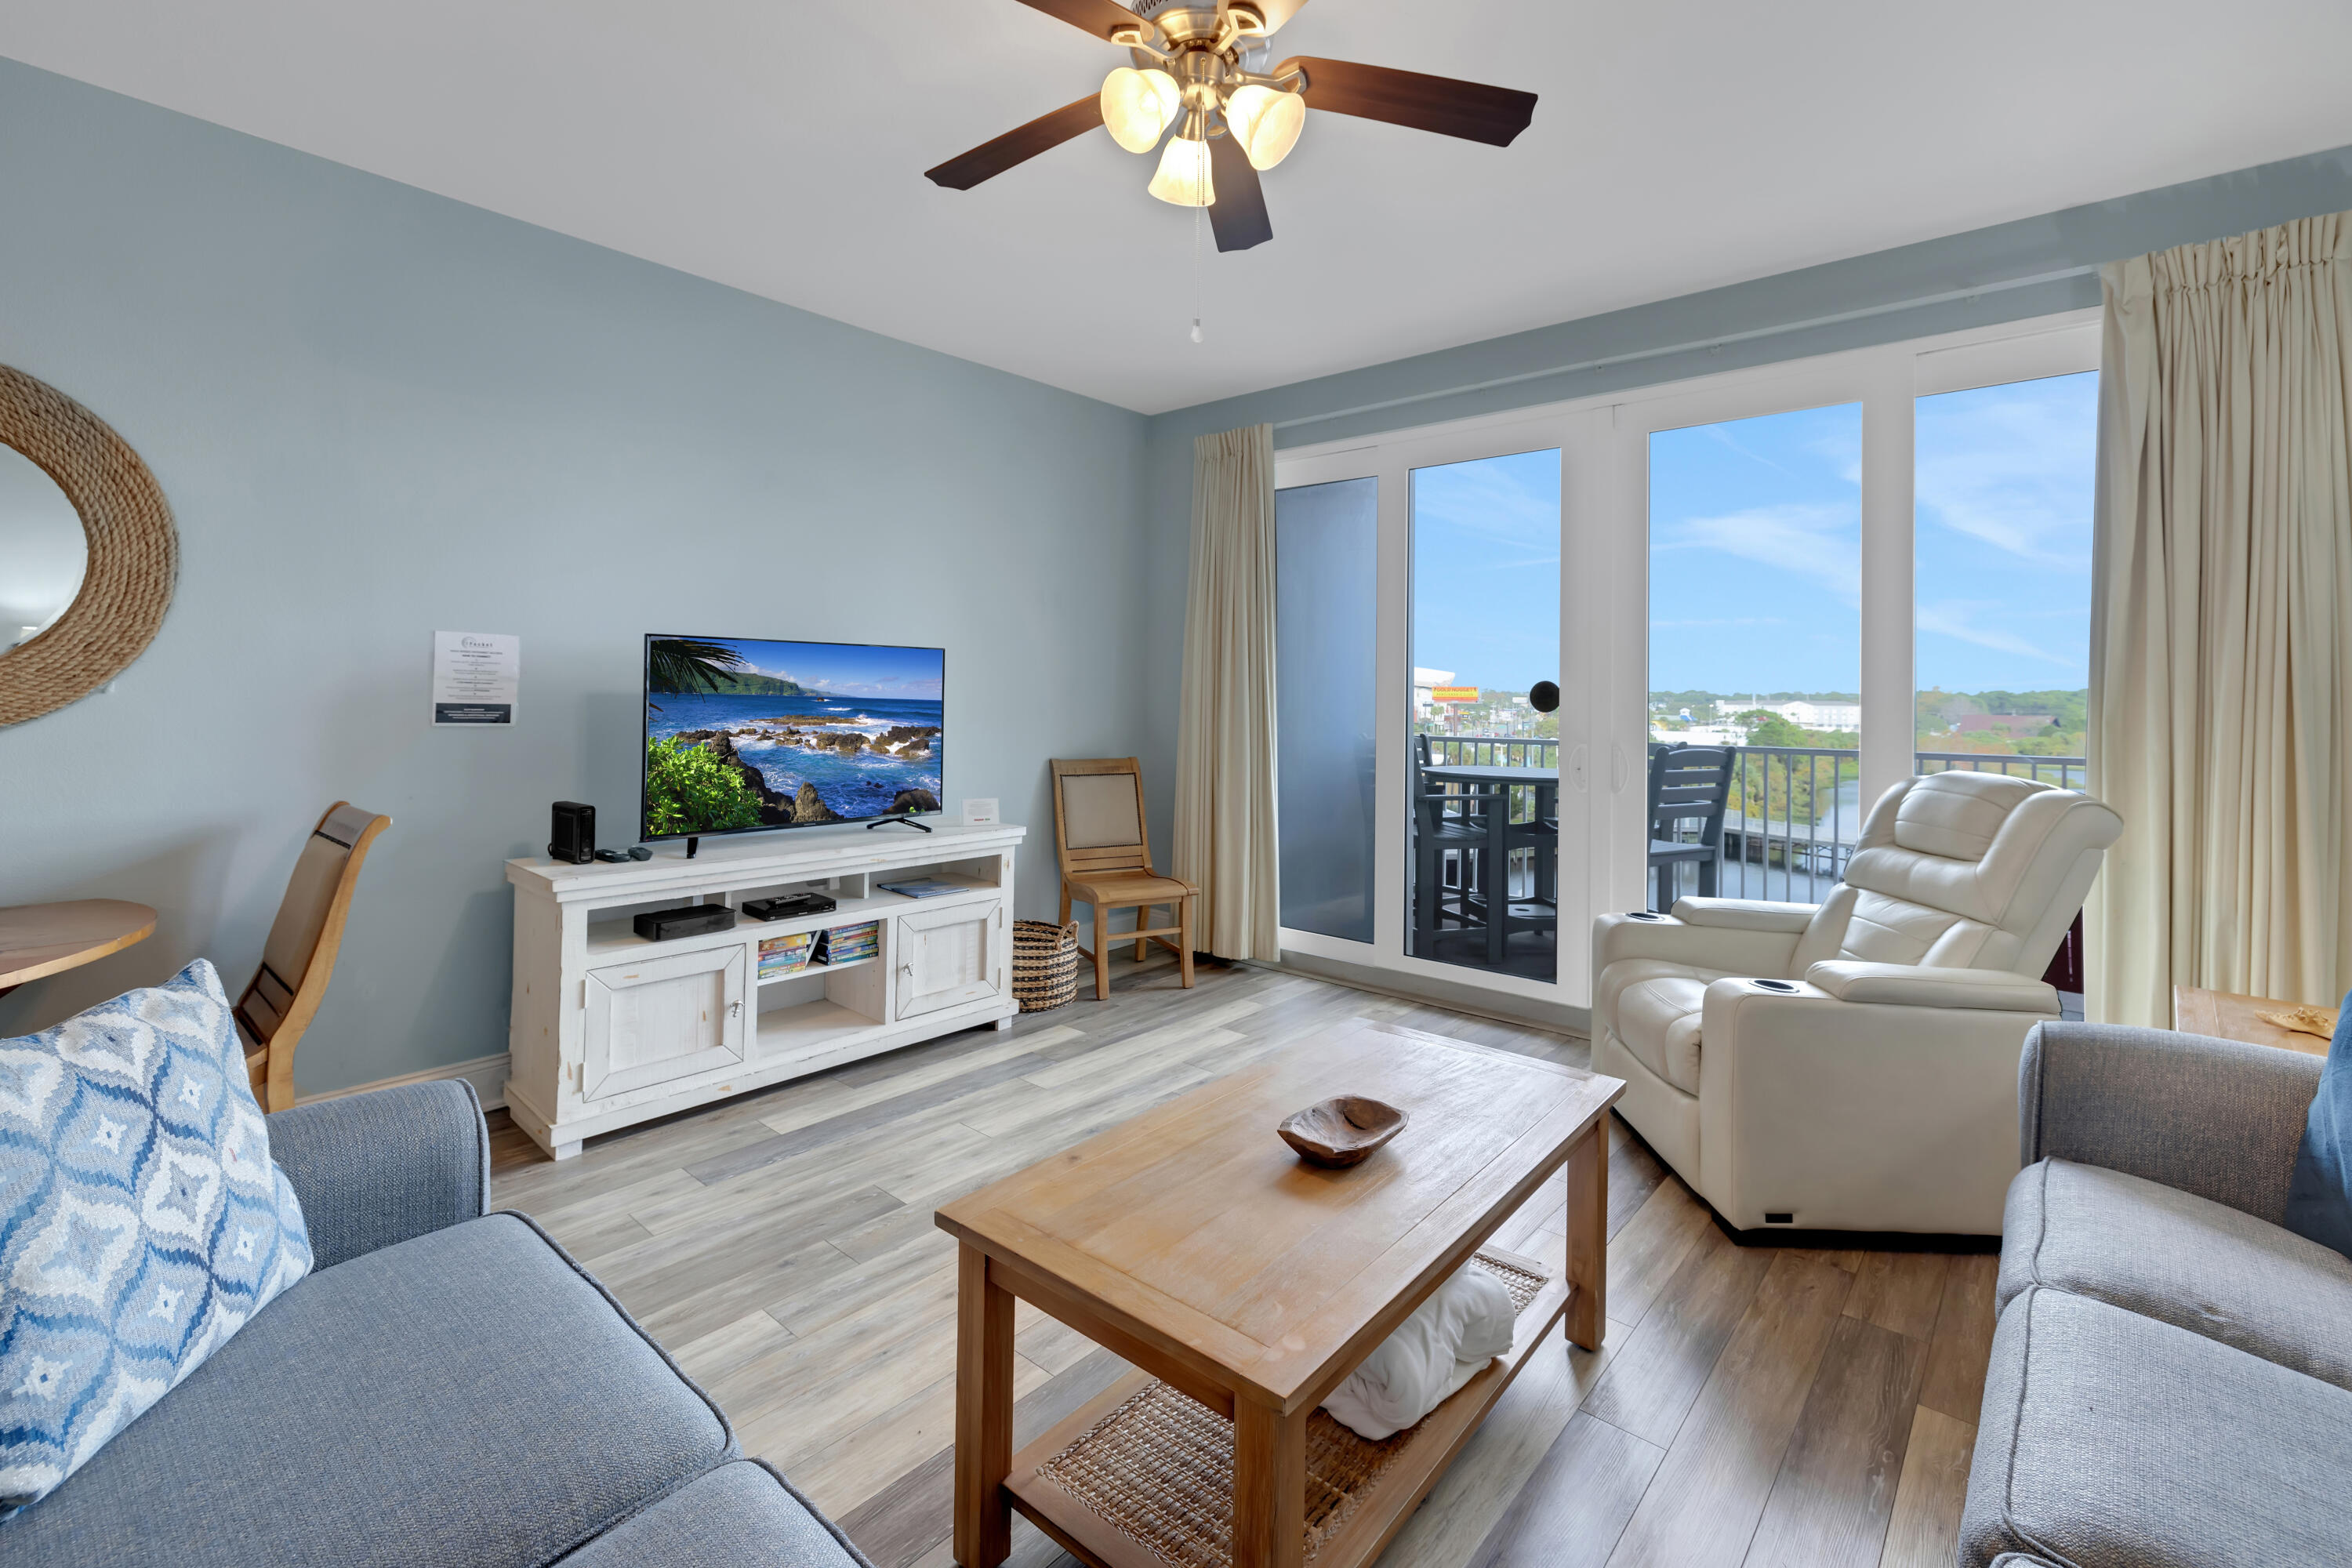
{"points": [[1192, 1243]]}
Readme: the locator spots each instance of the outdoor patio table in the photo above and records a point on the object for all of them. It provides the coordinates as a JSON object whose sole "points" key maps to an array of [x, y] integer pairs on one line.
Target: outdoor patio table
{"points": [[1497, 782]]}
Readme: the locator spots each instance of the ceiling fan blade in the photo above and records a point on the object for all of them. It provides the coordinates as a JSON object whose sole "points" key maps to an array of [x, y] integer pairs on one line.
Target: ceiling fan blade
{"points": [[1274, 12], [1100, 17], [1469, 109], [1238, 214], [1042, 134]]}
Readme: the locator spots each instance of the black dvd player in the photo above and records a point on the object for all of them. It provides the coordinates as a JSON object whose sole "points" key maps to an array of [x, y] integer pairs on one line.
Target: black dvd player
{"points": [[789, 907], [686, 920]]}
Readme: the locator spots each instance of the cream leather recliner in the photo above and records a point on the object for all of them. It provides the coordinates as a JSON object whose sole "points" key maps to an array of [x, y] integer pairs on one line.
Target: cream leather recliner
{"points": [[1852, 1064]]}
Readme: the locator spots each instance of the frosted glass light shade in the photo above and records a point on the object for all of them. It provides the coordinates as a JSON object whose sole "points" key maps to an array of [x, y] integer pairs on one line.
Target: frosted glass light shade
{"points": [[1137, 106], [1183, 177], [1265, 123]]}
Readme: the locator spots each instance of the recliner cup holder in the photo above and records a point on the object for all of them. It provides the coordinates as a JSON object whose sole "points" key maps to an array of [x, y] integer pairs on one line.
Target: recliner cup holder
{"points": [[1642, 915], [1773, 985]]}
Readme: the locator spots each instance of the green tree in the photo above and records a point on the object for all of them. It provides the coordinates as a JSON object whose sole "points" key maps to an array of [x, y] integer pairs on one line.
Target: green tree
{"points": [[687, 790], [1766, 728]]}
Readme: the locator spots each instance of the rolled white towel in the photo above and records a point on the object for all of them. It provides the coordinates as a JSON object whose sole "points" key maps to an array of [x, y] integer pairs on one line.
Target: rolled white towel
{"points": [[1466, 1324]]}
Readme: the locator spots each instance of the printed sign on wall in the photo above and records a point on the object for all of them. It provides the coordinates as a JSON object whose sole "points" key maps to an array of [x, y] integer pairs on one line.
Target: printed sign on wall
{"points": [[475, 676]]}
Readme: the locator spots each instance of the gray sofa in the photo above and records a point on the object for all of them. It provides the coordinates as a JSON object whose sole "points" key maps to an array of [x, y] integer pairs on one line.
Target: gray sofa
{"points": [[447, 1388], [2171, 1373]]}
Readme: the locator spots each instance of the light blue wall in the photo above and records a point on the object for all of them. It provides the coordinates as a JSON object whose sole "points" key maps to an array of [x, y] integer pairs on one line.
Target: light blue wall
{"points": [[2010, 272], [377, 413]]}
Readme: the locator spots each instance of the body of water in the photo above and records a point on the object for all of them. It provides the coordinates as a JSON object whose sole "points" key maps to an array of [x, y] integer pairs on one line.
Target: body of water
{"points": [[854, 784]]}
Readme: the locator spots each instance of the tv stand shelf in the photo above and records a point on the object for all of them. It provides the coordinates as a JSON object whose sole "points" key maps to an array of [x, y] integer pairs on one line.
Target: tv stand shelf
{"points": [[610, 1029]]}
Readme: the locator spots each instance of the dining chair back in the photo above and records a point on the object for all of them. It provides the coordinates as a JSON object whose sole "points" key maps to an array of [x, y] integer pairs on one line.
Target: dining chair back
{"points": [[1104, 847], [1689, 787], [1449, 842], [300, 957]]}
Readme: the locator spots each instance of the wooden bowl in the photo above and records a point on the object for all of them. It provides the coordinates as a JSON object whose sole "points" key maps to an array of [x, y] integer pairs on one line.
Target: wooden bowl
{"points": [[1343, 1130]]}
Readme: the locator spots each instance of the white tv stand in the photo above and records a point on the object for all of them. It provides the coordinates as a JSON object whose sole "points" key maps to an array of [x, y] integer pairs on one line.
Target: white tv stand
{"points": [[610, 1029]]}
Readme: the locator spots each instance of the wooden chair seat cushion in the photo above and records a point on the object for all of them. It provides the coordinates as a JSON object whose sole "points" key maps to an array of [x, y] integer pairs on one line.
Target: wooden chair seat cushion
{"points": [[1123, 888]]}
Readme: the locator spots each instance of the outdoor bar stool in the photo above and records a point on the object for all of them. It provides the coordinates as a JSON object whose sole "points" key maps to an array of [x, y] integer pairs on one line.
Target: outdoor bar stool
{"points": [[1688, 786], [1450, 827]]}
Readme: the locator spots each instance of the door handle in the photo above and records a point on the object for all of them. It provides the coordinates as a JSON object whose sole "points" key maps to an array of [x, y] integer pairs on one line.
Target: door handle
{"points": [[1576, 768], [734, 1009], [1616, 768]]}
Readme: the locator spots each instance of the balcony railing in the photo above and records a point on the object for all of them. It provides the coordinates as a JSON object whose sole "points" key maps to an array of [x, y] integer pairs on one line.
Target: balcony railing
{"points": [[1493, 751], [1795, 815], [1793, 820]]}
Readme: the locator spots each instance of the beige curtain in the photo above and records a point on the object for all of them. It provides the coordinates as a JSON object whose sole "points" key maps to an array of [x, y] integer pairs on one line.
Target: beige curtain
{"points": [[1225, 747], [2221, 722]]}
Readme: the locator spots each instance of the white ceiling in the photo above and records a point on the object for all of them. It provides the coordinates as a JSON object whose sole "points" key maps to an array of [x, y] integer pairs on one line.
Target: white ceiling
{"points": [[1679, 144]]}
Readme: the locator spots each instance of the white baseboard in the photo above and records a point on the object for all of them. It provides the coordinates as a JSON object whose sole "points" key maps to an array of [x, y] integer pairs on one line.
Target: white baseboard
{"points": [[486, 1074]]}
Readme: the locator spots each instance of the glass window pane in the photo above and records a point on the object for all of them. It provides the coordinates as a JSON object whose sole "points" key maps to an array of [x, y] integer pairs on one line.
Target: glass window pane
{"points": [[1326, 558], [1756, 654], [1486, 629], [2002, 568]]}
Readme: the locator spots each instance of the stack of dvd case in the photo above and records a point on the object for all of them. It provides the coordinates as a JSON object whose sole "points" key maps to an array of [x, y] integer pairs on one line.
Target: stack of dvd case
{"points": [[850, 945]]}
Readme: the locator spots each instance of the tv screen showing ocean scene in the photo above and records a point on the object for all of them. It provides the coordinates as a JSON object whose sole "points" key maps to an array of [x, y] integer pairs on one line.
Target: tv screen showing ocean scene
{"points": [[743, 734]]}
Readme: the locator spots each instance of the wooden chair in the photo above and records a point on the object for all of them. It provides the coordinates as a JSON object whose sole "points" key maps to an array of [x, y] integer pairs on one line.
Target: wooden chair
{"points": [[300, 957], [1098, 832]]}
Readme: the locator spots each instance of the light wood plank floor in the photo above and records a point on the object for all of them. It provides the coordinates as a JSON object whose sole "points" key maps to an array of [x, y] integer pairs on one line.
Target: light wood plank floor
{"points": [[1748, 1406]]}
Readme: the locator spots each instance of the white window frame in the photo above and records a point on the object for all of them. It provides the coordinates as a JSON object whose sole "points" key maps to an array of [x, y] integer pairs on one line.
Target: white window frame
{"points": [[1605, 443]]}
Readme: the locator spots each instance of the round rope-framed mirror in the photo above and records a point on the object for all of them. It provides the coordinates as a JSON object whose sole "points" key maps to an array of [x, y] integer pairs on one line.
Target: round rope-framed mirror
{"points": [[76, 619]]}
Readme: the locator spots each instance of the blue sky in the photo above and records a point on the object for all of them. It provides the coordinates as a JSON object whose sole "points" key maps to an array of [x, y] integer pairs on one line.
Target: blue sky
{"points": [[1485, 569], [1755, 544], [2005, 476], [1756, 553], [1756, 550], [847, 669]]}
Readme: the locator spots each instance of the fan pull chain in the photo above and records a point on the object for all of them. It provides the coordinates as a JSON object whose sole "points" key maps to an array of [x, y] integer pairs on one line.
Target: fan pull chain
{"points": [[1199, 215]]}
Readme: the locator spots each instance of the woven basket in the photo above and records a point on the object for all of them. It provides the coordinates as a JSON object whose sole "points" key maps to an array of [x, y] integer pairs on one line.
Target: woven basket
{"points": [[1044, 965]]}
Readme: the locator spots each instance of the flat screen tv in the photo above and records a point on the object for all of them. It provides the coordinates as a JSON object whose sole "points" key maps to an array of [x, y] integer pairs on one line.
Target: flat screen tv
{"points": [[743, 734]]}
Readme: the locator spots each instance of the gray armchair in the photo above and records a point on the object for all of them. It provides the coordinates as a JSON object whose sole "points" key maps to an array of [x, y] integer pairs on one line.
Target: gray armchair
{"points": [[2172, 1373]]}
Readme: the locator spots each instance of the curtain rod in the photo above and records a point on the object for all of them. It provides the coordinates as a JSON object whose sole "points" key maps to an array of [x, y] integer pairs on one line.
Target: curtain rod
{"points": [[1752, 334]]}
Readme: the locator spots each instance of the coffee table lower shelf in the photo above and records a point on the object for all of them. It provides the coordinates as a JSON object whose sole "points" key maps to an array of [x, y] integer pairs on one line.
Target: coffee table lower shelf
{"points": [[1359, 1493]]}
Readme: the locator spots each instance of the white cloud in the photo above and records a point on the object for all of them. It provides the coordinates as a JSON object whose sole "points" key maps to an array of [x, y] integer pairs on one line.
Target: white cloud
{"points": [[1956, 618], [1490, 500], [2010, 468], [1820, 543]]}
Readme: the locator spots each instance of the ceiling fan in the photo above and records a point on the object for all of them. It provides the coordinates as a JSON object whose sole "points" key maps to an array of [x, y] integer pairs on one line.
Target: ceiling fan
{"points": [[1199, 67]]}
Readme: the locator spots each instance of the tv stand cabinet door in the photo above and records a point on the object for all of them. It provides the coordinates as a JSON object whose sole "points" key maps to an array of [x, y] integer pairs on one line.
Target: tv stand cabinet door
{"points": [[668, 1018], [948, 957]]}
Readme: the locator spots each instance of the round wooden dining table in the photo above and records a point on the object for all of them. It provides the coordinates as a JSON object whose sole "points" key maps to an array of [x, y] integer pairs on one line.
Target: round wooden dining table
{"points": [[47, 939]]}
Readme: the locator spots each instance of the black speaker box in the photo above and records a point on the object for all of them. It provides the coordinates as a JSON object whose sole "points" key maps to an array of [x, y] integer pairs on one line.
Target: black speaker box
{"points": [[686, 920], [571, 832]]}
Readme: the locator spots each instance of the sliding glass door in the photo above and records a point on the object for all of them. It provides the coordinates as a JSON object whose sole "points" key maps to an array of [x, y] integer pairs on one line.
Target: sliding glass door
{"points": [[1327, 658], [1764, 596], [1481, 820], [1426, 828]]}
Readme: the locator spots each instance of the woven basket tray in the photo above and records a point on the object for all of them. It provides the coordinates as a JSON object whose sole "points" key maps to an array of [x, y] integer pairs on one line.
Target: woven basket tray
{"points": [[1044, 965], [1160, 1469]]}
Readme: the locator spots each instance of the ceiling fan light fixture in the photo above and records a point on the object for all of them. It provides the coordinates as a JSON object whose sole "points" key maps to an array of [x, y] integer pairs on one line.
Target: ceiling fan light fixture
{"points": [[1184, 177], [1265, 123], [1138, 105]]}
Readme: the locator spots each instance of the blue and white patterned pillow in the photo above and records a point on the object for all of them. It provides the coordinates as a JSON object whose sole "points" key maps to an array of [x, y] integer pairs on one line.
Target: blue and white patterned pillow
{"points": [[141, 1219]]}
